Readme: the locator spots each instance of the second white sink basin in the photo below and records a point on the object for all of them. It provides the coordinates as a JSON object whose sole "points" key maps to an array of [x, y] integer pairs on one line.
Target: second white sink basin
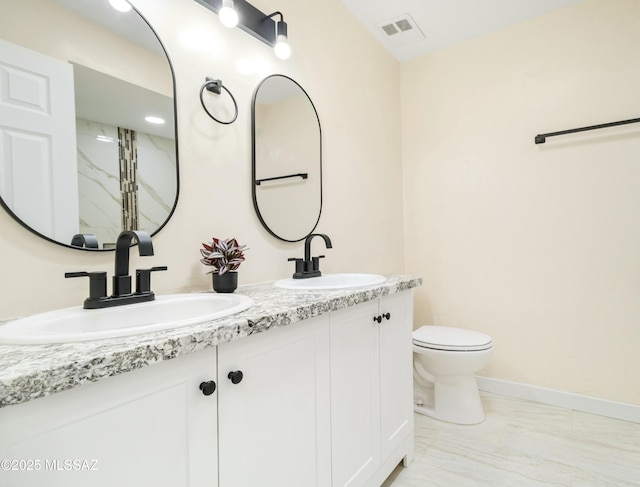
{"points": [[331, 281], [164, 313]]}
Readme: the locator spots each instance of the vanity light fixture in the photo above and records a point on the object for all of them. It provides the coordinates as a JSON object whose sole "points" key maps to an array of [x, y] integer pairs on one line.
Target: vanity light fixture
{"points": [[120, 5], [282, 49], [228, 15], [253, 21]]}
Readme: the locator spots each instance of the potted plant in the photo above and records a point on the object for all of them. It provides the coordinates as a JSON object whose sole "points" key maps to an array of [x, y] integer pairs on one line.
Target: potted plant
{"points": [[225, 256]]}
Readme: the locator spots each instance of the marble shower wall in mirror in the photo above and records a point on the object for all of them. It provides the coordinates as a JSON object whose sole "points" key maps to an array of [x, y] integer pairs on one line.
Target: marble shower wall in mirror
{"points": [[109, 73]]}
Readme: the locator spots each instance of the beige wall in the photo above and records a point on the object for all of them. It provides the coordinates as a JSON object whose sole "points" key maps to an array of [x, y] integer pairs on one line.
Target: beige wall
{"points": [[537, 245], [37, 24], [343, 74]]}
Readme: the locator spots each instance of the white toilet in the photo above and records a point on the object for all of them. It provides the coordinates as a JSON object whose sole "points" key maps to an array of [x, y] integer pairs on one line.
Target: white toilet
{"points": [[447, 359]]}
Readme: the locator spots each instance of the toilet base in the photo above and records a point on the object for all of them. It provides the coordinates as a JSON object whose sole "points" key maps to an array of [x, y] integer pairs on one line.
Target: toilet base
{"points": [[456, 400]]}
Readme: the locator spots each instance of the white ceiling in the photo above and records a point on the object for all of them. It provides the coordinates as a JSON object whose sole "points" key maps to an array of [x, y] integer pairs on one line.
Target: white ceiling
{"points": [[441, 23]]}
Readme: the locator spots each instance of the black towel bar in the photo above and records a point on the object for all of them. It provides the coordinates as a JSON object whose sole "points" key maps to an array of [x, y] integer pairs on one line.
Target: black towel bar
{"points": [[541, 138], [302, 175]]}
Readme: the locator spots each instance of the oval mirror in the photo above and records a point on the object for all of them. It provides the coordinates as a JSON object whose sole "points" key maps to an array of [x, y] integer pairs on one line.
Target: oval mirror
{"points": [[87, 126], [287, 159]]}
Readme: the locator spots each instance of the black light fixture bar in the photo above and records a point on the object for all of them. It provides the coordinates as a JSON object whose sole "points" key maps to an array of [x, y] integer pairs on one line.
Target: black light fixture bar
{"points": [[302, 175], [541, 138], [252, 20]]}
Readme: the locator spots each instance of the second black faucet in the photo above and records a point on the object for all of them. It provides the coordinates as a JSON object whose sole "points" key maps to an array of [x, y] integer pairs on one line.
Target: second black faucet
{"points": [[310, 266]]}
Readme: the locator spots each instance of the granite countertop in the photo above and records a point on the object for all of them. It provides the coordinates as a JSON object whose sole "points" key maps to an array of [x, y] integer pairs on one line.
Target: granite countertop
{"points": [[31, 371]]}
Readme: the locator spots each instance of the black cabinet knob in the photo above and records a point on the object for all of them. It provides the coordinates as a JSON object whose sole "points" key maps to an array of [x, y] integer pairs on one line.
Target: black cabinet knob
{"points": [[377, 318], [235, 376], [208, 387], [387, 316]]}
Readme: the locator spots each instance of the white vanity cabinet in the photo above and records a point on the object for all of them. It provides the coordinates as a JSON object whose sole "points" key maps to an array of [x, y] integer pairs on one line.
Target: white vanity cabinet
{"points": [[371, 390], [274, 423], [325, 402], [152, 426]]}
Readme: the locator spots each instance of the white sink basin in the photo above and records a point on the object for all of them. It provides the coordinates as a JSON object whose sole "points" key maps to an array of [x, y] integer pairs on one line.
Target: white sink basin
{"points": [[78, 324], [331, 281]]}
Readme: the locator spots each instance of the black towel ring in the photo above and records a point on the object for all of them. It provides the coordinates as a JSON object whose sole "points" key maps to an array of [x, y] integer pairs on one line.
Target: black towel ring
{"points": [[216, 86]]}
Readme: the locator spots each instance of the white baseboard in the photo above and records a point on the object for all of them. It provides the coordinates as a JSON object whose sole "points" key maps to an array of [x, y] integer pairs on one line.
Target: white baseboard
{"points": [[569, 400]]}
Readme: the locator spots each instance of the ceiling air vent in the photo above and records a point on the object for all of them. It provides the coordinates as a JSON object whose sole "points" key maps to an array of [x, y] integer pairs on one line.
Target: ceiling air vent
{"points": [[404, 25], [401, 30], [390, 29]]}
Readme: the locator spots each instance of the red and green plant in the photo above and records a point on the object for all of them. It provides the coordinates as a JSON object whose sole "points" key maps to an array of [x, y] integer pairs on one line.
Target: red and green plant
{"points": [[223, 254]]}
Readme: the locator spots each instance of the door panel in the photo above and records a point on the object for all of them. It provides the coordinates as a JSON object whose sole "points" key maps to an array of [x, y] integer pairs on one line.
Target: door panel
{"points": [[275, 423], [147, 427], [355, 395], [38, 140], [396, 371]]}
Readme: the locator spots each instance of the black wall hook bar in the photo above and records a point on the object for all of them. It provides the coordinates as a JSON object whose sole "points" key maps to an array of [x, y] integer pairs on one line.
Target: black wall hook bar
{"points": [[302, 175], [541, 138]]}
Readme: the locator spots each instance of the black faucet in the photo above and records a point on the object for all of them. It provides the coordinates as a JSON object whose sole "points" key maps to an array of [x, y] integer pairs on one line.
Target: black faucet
{"points": [[121, 279], [310, 266], [88, 240]]}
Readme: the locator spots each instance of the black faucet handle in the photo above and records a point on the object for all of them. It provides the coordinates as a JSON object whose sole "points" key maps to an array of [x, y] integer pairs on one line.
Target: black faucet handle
{"points": [[143, 279], [97, 283], [300, 266], [316, 262]]}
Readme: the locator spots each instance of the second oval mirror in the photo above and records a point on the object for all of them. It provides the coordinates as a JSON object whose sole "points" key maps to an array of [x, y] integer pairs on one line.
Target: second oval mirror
{"points": [[287, 159]]}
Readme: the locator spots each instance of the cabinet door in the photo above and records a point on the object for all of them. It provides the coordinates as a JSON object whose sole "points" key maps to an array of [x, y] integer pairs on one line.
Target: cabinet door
{"points": [[396, 371], [152, 426], [355, 395], [274, 424]]}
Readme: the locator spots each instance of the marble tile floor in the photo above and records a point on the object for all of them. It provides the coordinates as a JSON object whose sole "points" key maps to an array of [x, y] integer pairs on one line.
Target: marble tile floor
{"points": [[523, 444]]}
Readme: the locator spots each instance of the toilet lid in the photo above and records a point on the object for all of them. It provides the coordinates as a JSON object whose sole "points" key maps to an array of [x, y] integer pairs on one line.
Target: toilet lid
{"points": [[448, 338]]}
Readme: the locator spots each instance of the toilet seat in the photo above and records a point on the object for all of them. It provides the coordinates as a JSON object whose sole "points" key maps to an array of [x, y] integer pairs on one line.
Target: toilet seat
{"points": [[452, 339]]}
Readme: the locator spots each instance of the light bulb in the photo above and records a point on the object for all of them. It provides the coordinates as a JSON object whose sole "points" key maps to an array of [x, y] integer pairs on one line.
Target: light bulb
{"points": [[120, 5], [282, 48], [227, 14]]}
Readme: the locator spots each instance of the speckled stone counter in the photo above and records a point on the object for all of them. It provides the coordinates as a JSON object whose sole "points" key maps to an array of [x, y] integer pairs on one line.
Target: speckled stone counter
{"points": [[31, 371]]}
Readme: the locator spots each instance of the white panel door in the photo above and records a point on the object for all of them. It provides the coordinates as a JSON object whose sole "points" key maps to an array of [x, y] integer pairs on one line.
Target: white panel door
{"points": [[38, 162], [274, 424], [149, 427], [355, 395], [396, 370]]}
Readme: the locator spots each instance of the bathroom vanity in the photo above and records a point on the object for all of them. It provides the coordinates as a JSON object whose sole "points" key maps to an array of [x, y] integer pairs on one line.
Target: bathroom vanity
{"points": [[305, 388]]}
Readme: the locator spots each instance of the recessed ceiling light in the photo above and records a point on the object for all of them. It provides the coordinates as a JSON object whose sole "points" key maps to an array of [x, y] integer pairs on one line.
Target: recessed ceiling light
{"points": [[156, 120], [120, 5]]}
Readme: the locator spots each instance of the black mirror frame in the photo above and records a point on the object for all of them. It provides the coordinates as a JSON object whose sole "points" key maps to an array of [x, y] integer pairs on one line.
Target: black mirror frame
{"points": [[175, 203], [254, 182]]}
